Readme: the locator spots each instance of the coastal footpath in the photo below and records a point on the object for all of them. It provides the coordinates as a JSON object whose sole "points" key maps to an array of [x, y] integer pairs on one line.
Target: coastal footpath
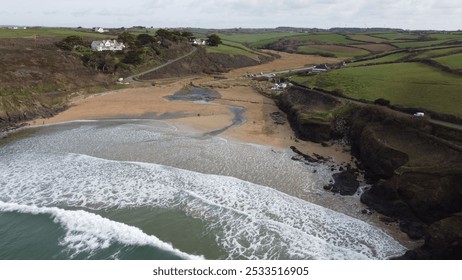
{"points": [[414, 166]]}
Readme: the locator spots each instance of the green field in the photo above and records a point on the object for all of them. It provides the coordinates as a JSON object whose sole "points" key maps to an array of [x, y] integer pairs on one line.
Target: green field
{"points": [[367, 38], [397, 36], [407, 84], [330, 38], [452, 61], [259, 40], [450, 36], [337, 51], [58, 32], [384, 59], [418, 44], [234, 48], [439, 52], [254, 38]]}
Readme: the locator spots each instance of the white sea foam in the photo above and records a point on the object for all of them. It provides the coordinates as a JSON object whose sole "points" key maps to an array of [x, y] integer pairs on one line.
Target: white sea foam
{"points": [[87, 232], [249, 221]]}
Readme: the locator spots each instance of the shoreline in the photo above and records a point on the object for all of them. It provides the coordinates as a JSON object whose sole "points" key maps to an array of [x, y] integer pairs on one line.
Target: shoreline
{"points": [[258, 128], [257, 120], [150, 103]]}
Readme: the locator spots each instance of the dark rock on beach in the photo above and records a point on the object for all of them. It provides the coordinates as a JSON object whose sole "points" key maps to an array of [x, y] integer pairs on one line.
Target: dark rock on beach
{"points": [[414, 166], [345, 183], [278, 118]]}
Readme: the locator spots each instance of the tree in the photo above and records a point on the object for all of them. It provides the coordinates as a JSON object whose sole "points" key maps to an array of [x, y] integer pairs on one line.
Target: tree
{"points": [[145, 39], [126, 37], [133, 57], [213, 40], [164, 34], [70, 42], [187, 34]]}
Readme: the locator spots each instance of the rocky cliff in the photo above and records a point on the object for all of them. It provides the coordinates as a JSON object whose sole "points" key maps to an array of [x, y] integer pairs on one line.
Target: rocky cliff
{"points": [[414, 169]]}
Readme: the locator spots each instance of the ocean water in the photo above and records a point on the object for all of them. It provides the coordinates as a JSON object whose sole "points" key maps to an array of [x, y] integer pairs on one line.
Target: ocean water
{"points": [[138, 189]]}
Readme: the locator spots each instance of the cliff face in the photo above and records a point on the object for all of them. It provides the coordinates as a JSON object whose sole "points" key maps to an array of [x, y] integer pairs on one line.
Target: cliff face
{"points": [[420, 175], [305, 111], [416, 172]]}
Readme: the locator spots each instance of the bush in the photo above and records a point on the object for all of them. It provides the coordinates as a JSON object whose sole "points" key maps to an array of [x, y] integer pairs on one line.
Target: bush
{"points": [[70, 42], [214, 40]]}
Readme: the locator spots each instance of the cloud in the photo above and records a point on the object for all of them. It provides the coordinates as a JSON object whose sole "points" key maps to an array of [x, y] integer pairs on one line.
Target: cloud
{"points": [[410, 14]]}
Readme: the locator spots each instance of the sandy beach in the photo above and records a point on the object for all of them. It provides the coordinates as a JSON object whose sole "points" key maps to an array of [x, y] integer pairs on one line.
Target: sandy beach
{"points": [[149, 102]]}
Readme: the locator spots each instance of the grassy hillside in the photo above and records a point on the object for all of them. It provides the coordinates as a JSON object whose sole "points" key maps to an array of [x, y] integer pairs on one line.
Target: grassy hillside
{"points": [[233, 48], [382, 59], [54, 32], [407, 84], [452, 61], [333, 50]]}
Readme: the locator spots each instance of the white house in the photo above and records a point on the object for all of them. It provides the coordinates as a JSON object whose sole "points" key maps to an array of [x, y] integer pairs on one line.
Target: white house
{"points": [[99, 29], [107, 45], [198, 42]]}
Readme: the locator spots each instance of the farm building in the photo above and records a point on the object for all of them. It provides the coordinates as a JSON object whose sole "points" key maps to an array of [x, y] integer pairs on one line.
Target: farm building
{"points": [[107, 45]]}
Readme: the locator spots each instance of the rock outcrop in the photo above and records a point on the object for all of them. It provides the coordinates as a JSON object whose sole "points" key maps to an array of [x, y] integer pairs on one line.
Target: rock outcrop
{"points": [[415, 167]]}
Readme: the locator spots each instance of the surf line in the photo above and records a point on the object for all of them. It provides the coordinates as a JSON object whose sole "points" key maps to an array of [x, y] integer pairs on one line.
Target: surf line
{"points": [[80, 224]]}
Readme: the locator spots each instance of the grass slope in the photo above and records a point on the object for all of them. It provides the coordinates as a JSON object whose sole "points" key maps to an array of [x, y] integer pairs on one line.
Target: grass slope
{"points": [[58, 32], [338, 51], [384, 59], [452, 61], [407, 84]]}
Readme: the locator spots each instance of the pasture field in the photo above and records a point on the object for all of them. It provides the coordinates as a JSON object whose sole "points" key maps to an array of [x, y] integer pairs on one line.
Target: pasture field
{"points": [[394, 36], [408, 84], [383, 59], [328, 38], [233, 48], [256, 37], [439, 52], [418, 44], [450, 36], [366, 38], [241, 46], [452, 61], [338, 51], [376, 48], [56, 32]]}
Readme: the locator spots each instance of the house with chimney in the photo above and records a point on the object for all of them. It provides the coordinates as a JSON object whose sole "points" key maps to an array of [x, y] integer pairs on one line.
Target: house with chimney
{"points": [[107, 45]]}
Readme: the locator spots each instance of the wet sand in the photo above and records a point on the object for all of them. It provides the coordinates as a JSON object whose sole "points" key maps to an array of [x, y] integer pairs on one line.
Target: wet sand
{"points": [[150, 102]]}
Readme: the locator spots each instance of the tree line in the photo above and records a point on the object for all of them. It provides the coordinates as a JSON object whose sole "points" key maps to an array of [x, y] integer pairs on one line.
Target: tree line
{"points": [[139, 48]]}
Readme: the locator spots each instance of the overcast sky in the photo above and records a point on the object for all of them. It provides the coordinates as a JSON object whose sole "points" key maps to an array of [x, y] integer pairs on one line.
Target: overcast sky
{"points": [[406, 14]]}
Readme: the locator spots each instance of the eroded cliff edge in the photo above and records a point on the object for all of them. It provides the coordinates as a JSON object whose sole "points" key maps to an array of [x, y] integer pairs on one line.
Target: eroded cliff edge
{"points": [[414, 166]]}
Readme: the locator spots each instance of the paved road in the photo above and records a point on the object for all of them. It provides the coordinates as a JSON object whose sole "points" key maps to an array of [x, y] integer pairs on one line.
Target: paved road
{"points": [[132, 78], [272, 74]]}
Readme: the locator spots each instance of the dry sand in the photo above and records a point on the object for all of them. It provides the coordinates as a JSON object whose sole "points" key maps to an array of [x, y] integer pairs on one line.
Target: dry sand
{"points": [[150, 102]]}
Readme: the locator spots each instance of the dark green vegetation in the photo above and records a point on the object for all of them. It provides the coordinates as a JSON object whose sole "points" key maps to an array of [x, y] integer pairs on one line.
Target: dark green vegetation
{"points": [[142, 49]]}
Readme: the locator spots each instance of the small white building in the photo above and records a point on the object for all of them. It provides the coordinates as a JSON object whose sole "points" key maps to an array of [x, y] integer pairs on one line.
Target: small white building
{"points": [[107, 45], [99, 29], [198, 42]]}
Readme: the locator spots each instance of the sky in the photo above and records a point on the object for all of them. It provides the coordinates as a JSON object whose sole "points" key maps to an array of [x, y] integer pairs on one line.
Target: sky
{"points": [[405, 14]]}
